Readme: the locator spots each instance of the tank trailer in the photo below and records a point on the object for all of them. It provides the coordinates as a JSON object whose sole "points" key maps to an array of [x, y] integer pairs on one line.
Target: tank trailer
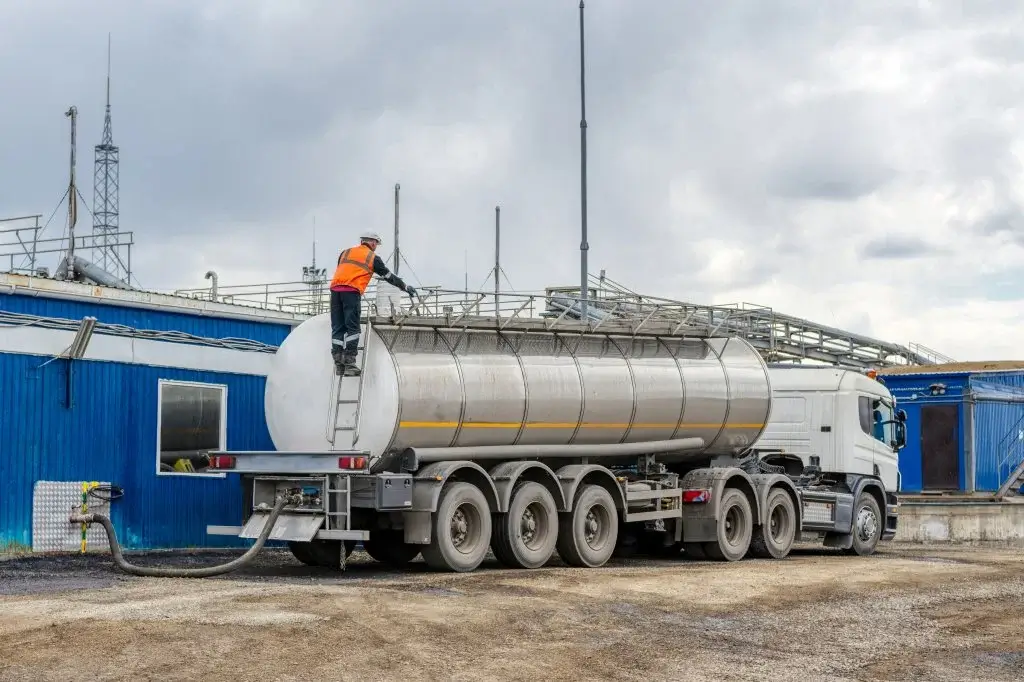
{"points": [[529, 442]]}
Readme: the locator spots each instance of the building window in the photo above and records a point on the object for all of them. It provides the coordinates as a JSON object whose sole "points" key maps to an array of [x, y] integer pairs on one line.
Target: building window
{"points": [[190, 423]]}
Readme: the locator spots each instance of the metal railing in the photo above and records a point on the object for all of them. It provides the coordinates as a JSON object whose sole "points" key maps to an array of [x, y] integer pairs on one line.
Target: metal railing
{"points": [[611, 307]]}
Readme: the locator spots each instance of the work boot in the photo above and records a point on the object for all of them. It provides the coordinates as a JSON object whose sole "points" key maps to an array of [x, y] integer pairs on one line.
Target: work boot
{"points": [[350, 368], [339, 363]]}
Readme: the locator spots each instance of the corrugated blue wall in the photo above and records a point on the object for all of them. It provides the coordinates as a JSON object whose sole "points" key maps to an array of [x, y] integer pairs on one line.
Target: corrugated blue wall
{"points": [[110, 431], [142, 318], [998, 419], [995, 423], [110, 434], [912, 393]]}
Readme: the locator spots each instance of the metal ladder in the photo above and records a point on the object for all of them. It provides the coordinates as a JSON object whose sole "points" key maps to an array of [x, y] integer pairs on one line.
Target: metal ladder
{"points": [[346, 399]]}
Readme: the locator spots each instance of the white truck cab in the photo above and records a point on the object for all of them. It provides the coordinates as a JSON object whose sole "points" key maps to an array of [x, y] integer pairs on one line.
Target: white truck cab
{"points": [[845, 418]]}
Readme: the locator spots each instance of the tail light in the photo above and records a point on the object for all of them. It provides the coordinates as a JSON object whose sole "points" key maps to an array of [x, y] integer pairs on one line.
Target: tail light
{"points": [[349, 462], [696, 496], [222, 462]]}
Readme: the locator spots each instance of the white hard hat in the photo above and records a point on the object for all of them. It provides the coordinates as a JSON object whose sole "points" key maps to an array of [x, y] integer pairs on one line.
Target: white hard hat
{"points": [[371, 235]]}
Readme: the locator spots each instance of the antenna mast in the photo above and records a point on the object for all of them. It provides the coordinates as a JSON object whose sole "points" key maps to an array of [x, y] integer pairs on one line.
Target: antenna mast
{"points": [[497, 258], [395, 264], [72, 113], [584, 247], [105, 202]]}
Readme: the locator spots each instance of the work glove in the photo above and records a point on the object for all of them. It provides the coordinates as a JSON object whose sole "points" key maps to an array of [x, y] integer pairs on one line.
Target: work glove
{"points": [[411, 292]]}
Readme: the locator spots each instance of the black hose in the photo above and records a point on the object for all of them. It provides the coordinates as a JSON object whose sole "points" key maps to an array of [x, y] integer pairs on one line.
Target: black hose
{"points": [[206, 571]]}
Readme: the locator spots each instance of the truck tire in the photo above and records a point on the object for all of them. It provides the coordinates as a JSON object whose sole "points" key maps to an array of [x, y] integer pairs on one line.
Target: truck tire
{"points": [[587, 535], [774, 538], [462, 529], [734, 527], [389, 547], [867, 525], [322, 553], [525, 537]]}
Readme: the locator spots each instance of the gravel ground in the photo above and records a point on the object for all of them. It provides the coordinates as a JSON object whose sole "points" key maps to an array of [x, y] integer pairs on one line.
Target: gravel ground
{"points": [[907, 613]]}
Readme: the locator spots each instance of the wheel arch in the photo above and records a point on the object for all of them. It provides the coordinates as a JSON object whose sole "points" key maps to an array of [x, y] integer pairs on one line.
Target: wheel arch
{"points": [[765, 484], [505, 476], [430, 481], [573, 476]]}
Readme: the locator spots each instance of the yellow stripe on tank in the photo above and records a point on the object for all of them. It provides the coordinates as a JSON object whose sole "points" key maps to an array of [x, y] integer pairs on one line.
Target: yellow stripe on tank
{"points": [[563, 425]]}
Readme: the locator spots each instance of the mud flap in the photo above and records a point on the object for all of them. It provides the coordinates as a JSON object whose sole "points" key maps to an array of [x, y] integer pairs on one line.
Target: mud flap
{"points": [[290, 527]]}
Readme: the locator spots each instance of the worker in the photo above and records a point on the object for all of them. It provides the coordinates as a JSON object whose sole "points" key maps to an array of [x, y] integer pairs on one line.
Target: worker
{"points": [[355, 268]]}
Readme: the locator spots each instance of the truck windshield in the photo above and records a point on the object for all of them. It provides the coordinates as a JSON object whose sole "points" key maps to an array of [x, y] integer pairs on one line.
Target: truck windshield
{"points": [[883, 426]]}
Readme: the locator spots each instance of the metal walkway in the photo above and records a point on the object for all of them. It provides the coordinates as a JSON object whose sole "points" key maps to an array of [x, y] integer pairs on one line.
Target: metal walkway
{"points": [[779, 337], [611, 307]]}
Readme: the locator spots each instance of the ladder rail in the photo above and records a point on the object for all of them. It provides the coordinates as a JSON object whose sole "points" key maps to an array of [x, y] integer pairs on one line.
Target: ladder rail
{"points": [[359, 390], [336, 401]]}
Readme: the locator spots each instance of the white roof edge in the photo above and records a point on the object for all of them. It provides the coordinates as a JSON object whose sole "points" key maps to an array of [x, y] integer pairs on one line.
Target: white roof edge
{"points": [[87, 293]]}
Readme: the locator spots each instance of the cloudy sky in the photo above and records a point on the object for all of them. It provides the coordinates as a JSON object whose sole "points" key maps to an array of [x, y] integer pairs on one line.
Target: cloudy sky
{"points": [[857, 163]]}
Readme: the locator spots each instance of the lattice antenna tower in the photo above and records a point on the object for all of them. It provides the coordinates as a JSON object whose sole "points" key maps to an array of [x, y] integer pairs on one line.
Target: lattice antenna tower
{"points": [[315, 279], [105, 212]]}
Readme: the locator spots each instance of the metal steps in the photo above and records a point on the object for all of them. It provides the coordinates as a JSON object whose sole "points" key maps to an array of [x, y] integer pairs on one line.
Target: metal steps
{"points": [[1012, 483], [346, 397]]}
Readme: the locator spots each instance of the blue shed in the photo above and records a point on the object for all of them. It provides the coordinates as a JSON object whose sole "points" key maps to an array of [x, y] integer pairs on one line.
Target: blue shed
{"points": [[161, 380], [965, 424]]}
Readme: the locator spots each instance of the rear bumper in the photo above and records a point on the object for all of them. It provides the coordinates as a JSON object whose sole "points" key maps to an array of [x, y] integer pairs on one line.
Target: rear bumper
{"points": [[320, 534]]}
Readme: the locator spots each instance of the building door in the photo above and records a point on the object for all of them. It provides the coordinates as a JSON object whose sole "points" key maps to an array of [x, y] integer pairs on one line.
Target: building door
{"points": [[940, 452]]}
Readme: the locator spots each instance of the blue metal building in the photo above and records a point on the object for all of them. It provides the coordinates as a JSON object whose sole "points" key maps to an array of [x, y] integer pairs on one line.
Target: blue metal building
{"points": [[965, 425], [161, 379]]}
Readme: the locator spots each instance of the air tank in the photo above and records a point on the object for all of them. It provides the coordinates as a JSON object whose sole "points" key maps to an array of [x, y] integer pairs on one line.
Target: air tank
{"points": [[425, 387]]}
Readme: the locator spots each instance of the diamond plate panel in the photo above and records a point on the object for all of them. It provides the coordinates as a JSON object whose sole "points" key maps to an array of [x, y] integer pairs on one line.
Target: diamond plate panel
{"points": [[52, 504]]}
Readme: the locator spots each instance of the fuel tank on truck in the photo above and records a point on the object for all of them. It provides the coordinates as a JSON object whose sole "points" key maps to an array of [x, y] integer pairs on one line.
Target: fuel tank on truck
{"points": [[430, 387]]}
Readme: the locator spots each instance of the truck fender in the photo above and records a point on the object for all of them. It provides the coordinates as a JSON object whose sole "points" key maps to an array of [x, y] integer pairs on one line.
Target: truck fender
{"points": [[571, 476], [716, 480], [764, 483], [430, 480], [506, 475], [843, 538]]}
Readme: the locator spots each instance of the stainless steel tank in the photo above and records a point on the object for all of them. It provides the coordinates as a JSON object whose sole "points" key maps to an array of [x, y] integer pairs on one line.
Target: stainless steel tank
{"points": [[430, 388]]}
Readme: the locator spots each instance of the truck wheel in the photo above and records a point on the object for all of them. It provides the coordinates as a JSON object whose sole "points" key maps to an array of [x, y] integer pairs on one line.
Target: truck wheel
{"points": [[462, 529], [867, 525], [587, 535], [322, 553], [525, 537], [389, 547], [774, 538], [735, 526]]}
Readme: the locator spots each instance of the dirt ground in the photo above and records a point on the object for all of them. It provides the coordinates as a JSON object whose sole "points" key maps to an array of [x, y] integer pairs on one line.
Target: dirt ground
{"points": [[907, 613]]}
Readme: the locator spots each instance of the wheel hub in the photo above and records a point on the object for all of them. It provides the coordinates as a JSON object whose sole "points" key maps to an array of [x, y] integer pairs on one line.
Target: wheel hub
{"points": [[459, 527], [528, 525], [590, 528], [867, 524]]}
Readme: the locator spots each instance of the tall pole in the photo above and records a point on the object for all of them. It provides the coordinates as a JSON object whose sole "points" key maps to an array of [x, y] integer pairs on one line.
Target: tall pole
{"points": [[584, 247], [497, 258], [395, 264], [72, 113]]}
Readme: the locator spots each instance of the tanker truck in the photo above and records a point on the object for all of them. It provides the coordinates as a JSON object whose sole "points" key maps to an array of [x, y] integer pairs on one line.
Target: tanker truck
{"points": [[529, 441]]}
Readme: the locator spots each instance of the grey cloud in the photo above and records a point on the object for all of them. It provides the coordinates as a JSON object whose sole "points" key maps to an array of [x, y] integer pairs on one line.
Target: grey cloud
{"points": [[240, 122], [896, 247]]}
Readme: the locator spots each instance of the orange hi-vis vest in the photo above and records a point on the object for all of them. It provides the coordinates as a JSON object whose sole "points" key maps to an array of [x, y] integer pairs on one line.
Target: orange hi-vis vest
{"points": [[355, 268]]}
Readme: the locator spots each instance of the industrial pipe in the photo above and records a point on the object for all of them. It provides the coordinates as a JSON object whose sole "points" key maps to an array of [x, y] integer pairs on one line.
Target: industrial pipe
{"points": [[589, 450], [212, 275], [206, 571]]}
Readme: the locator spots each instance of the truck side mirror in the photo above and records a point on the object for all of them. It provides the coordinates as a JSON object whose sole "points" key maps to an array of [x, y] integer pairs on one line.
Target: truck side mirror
{"points": [[901, 416], [901, 434]]}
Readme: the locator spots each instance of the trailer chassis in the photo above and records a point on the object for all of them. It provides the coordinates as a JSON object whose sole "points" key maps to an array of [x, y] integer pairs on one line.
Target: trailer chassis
{"points": [[526, 511]]}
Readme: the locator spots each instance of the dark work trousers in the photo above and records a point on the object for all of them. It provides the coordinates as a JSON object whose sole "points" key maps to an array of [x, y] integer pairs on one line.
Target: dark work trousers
{"points": [[345, 324]]}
